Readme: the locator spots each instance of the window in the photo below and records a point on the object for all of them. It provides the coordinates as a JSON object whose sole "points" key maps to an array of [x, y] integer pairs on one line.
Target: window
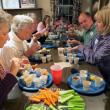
{"points": [[10, 4]]}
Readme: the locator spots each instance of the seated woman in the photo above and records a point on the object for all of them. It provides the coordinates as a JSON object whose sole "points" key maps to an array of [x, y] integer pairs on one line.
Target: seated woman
{"points": [[7, 79], [98, 51], [17, 46], [43, 28]]}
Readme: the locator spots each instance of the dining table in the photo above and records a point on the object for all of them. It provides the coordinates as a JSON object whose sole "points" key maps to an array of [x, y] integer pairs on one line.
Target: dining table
{"points": [[92, 102]]}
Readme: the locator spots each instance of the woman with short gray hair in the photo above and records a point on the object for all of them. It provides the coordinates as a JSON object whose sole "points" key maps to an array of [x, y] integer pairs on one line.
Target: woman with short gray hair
{"points": [[17, 46], [21, 22]]}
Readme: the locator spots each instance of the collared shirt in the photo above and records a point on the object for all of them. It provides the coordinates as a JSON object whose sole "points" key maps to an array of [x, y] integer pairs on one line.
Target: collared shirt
{"points": [[15, 47], [89, 34]]}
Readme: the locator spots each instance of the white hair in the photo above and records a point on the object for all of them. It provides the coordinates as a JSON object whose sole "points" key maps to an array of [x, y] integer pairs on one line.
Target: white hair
{"points": [[20, 22], [4, 17]]}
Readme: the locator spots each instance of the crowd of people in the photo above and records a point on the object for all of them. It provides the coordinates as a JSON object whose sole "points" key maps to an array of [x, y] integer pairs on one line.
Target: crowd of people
{"points": [[93, 43]]}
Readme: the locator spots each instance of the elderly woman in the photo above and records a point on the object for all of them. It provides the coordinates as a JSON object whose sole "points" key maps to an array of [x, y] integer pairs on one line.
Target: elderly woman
{"points": [[98, 52], [21, 30], [7, 79]]}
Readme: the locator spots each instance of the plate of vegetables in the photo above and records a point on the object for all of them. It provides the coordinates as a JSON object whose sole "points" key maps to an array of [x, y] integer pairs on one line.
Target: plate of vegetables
{"points": [[48, 99]]}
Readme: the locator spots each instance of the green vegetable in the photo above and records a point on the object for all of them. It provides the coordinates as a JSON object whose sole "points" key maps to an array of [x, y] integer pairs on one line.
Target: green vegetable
{"points": [[64, 106], [36, 107], [63, 100], [52, 107], [75, 108], [66, 92]]}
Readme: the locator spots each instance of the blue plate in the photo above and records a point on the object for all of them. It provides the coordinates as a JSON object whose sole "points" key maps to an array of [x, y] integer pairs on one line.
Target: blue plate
{"points": [[48, 46], [79, 87], [31, 88]]}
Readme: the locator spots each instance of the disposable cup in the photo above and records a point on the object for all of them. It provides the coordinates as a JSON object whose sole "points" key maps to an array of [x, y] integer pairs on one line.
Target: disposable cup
{"points": [[70, 59], [76, 80], [62, 58], [56, 72], [60, 51], [49, 57], [98, 81], [76, 60], [86, 85], [83, 74], [43, 59]]}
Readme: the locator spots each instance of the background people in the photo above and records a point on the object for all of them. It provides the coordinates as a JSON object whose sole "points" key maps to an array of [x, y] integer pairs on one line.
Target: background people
{"points": [[43, 28]]}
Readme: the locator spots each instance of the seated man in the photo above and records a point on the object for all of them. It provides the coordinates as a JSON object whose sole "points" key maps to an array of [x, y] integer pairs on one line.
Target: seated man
{"points": [[21, 30], [87, 23]]}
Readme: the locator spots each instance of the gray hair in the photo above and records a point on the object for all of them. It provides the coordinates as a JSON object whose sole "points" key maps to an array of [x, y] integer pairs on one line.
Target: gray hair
{"points": [[4, 17], [19, 22]]}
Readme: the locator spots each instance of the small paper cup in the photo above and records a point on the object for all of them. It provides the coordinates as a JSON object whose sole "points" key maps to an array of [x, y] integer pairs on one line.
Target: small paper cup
{"points": [[98, 81], [83, 74], [76, 80], [76, 60], [43, 59], [86, 85], [49, 57]]}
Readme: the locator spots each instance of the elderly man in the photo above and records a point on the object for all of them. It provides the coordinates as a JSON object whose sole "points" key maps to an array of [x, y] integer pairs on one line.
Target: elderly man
{"points": [[87, 23], [21, 30]]}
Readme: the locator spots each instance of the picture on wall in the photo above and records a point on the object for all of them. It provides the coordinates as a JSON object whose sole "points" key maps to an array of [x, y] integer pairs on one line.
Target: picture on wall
{"points": [[0, 4], [28, 3], [10, 4]]}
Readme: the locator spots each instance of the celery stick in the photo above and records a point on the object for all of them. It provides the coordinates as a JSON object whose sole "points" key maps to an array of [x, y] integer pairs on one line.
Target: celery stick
{"points": [[52, 107], [65, 99], [66, 92], [77, 96], [77, 99], [64, 106], [75, 108]]}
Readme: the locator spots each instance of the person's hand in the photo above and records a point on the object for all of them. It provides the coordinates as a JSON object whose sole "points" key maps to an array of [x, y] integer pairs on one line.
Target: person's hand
{"points": [[73, 42], [69, 42], [24, 60], [36, 36], [15, 66], [33, 48], [70, 49], [75, 48]]}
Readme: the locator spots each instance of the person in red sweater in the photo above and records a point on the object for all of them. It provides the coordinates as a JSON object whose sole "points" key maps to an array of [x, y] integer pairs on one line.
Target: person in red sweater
{"points": [[7, 79]]}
